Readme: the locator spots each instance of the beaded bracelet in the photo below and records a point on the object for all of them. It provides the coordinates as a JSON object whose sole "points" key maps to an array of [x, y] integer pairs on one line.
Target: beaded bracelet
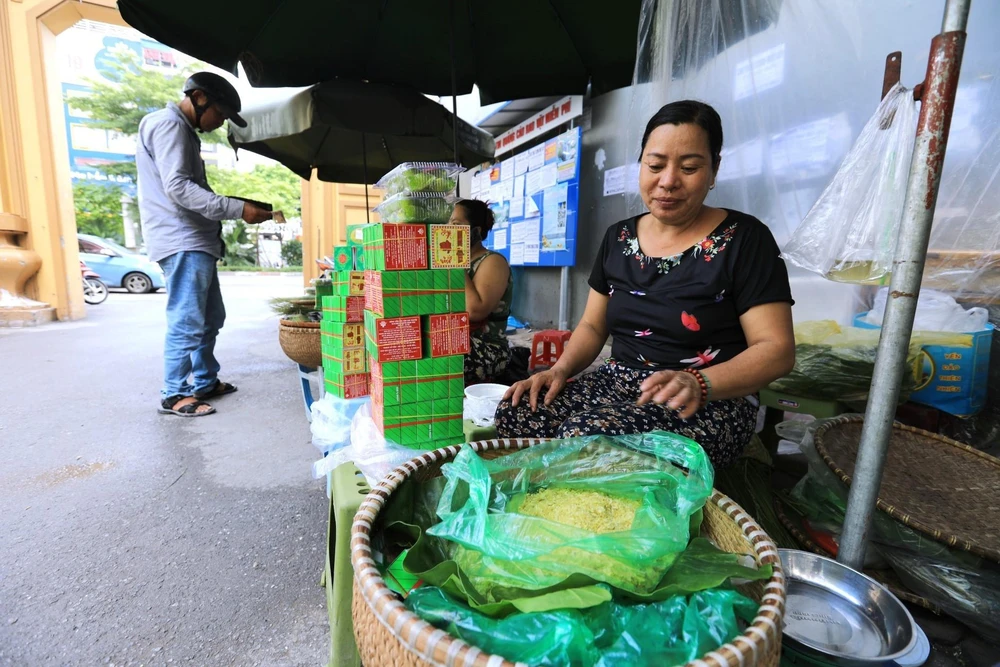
{"points": [[703, 382]]}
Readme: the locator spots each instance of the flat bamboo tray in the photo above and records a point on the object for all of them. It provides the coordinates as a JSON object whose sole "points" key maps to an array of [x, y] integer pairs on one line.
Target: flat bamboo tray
{"points": [[936, 486], [388, 634]]}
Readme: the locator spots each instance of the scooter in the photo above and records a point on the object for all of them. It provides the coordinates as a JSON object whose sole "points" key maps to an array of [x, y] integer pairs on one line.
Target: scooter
{"points": [[94, 289]]}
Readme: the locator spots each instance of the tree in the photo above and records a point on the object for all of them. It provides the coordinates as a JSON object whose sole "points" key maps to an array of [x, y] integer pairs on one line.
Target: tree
{"points": [[99, 210], [291, 253], [267, 183], [240, 251], [121, 103]]}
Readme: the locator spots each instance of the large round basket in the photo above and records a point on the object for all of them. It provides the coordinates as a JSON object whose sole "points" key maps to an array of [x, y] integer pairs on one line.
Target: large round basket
{"points": [[301, 342], [388, 634], [941, 488]]}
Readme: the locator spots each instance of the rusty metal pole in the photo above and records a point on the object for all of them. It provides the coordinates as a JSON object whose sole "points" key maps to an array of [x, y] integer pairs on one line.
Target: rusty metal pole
{"points": [[936, 106]]}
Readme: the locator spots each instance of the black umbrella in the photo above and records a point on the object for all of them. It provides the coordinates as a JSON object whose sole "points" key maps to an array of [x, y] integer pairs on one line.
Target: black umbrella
{"points": [[511, 49], [355, 132]]}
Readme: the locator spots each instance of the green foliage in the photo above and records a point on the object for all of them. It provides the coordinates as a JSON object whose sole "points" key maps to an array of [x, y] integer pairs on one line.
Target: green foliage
{"points": [[240, 250], [99, 210], [121, 103], [267, 183], [291, 253]]}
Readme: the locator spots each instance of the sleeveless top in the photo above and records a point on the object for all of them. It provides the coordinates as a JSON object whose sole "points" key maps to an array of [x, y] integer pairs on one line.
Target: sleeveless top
{"points": [[493, 328]]}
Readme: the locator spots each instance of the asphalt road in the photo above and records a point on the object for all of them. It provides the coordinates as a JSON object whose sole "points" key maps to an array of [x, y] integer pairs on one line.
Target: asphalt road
{"points": [[131, 538]]}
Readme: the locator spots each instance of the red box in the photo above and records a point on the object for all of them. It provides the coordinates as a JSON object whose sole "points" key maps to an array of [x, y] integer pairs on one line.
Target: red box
{"points": [[355, 309], [373, 291], [348, 386], [446, 335], [396, 339], [404, 246]]}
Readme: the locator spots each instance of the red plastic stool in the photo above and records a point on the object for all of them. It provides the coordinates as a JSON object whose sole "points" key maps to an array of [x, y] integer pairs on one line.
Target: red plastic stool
{"points": [[546, 347]]}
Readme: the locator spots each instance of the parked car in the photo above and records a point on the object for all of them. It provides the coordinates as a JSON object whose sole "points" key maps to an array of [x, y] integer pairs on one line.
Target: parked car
{"points": [[120, 267]]}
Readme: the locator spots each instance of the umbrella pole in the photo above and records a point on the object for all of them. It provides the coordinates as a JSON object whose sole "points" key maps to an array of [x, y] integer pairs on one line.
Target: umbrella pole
{"points": [[937, 103], [364, 159], [454, 80]]}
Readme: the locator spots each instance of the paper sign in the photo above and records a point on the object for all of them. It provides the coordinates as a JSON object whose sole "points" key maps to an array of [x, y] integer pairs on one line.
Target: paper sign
{"points": [[496, 193], [532, 230], [517, 230], [507, 169], [554, 217], [614, 181], [536, 158], [500, 239], [532, 183], [550, 176], [518, 186], [567, 170], [520, 164], [517, 254], [632, 180], [530, 208], [507, 189], [531, 253], [551, 151], [517, 207]]}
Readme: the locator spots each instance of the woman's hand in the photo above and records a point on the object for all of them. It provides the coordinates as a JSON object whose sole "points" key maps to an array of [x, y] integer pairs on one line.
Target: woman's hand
{"points": [[675, 388], [554, 379]]}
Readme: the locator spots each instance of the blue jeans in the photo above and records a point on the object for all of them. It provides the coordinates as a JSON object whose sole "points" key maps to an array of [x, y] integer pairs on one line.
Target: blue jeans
{"points": [[195, 314]]}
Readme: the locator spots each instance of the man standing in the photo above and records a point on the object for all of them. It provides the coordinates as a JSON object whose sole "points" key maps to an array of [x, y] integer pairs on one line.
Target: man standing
{"points": [[181, 225]]}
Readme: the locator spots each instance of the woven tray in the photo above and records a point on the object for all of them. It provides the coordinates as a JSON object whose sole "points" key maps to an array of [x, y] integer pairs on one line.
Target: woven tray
{"points": [[936, 486], [887, 578], [388, 634]]}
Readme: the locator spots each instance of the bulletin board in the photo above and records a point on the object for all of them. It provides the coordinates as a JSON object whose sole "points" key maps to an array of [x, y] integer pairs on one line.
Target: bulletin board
{"points": [[535, 196]]}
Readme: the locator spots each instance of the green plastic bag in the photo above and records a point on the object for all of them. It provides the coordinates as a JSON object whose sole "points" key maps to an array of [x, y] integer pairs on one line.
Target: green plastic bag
{"points": [[638, 479], [671, 632]]}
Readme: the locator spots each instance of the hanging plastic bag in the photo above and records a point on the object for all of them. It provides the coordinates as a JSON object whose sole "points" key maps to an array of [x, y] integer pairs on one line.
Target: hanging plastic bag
{"points": [[850, 233], [616, 509], [331, 421], [672, 632]]}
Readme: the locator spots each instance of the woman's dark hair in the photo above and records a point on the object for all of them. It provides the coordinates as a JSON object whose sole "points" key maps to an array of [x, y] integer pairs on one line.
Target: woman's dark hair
{"points": [[479, 214], [689, 111]]}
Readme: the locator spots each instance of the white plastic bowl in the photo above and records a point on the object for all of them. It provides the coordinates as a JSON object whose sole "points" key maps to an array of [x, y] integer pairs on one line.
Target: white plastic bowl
{"points": [[486, 391]]}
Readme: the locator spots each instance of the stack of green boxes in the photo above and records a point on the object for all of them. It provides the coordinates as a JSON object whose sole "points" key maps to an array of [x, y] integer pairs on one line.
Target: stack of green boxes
{"points": [[345, 364], [415, 272]]}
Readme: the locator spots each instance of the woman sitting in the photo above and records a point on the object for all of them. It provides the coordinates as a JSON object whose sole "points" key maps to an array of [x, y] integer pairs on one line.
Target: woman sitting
{"points": [[488, 289], [696, 300]]}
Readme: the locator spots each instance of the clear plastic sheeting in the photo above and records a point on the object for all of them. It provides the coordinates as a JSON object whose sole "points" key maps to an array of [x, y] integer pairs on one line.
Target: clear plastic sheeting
{"points": [[795, 84], [8, 300]]}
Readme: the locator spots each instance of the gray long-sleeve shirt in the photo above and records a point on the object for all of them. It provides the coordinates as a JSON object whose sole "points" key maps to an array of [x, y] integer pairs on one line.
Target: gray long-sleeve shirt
{"points": [[178, 209]]}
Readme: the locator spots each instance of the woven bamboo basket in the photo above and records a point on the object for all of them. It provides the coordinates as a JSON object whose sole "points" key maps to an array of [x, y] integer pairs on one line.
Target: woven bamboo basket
{"points": [[301, 342], [388, 634], [936, 486]]}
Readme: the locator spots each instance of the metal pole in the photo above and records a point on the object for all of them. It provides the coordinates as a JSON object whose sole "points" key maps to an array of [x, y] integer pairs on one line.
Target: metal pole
{"points": [[937, 103], [564, 298]]}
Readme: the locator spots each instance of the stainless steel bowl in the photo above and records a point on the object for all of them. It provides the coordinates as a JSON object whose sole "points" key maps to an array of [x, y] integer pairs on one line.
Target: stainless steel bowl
{"points": [[847, 618]]}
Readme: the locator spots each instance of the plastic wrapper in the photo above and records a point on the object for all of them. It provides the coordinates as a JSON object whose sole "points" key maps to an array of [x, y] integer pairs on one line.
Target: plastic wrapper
{"points": [[850, 233], [647, 500], [416, 207], [365, 446], [662, 634], [411, 177], [936, 311], [8, 300]]}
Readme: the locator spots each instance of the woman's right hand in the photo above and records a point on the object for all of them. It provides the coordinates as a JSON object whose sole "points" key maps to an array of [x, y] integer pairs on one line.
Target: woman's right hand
{"points": [[554, 379]]}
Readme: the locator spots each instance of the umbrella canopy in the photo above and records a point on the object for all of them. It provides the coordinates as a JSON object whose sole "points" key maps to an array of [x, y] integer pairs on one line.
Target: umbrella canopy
{"points": [[354, 132], [511, 50]]}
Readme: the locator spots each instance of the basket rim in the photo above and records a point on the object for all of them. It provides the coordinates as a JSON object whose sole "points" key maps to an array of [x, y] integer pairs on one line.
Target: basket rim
{"points": [[422, 640], [899, 514], [293, 324]]}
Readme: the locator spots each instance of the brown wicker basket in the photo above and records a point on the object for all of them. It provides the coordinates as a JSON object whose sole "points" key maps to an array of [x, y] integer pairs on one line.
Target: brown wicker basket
{"points": [[936, 486], [301, 342], [388, 634]]}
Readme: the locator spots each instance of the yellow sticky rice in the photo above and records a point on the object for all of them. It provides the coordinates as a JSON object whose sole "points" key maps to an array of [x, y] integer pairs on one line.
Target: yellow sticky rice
{"points": [[588, 510]]}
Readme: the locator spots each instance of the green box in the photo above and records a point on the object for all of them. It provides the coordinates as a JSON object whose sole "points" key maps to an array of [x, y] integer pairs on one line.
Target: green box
{"points": [[355, 235], [456, 279], [457, 304], [343, 258], [392, 307], [425, 280], [442, 279], [409, 306]]}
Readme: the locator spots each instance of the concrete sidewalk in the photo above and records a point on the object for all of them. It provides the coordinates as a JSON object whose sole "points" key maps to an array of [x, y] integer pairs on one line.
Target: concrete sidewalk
{"points": [[133, 538]]}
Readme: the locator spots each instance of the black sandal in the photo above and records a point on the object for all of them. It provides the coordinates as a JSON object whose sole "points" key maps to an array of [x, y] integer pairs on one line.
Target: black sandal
{"points": [[220, 389], [189, 410]]}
